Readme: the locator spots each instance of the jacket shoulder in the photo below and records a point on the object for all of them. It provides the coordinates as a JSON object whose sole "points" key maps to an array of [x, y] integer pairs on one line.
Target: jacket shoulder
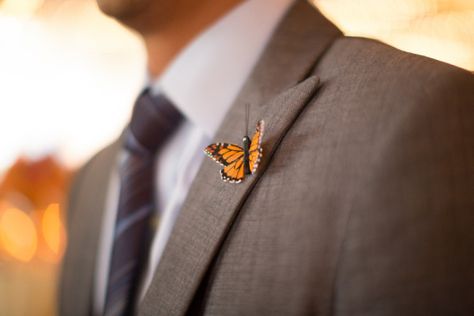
{"points": [[362, 56], [389, 94]]}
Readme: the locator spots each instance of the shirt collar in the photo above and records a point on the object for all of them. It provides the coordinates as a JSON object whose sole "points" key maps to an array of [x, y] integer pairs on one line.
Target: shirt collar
{"points": [[205, 78]]}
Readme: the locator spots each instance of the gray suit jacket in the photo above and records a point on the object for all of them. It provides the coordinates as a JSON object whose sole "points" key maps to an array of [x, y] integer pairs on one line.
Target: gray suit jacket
{"points": [[363, 204]]}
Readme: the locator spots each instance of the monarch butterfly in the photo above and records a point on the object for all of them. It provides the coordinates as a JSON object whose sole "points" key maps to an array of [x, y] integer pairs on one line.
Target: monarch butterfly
{"points": [[237, 161]]}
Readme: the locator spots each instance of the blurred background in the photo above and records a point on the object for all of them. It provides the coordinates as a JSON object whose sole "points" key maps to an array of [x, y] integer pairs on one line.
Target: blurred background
{"points": [[65, 69]]}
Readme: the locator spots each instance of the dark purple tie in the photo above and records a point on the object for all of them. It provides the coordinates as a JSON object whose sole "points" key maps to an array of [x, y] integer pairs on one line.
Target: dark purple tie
{"points": [[154, 119]]}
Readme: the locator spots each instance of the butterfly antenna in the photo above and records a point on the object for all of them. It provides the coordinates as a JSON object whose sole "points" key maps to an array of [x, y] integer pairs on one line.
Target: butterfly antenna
{"points": [[247, 118]]}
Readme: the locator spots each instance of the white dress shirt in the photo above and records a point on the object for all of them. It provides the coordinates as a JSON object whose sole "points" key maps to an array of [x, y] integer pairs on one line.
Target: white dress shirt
{"points": [[202, 81]]}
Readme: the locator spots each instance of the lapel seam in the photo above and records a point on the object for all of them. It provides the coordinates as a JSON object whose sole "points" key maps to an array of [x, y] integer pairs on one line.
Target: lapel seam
{"points": [[312, 69], [265, 166]]}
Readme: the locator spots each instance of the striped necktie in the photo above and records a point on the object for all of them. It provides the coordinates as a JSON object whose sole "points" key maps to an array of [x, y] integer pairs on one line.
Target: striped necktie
{"points": [[153, 120]]}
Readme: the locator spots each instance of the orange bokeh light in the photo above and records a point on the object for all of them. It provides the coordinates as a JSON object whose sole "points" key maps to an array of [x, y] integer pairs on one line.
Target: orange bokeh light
{"points": [[53, 230], [18, 234]]}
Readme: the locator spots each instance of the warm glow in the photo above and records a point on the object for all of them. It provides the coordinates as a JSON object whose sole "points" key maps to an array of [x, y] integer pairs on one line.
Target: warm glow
{"points": [[18, 234], [439, 29], [20, 6], [53, 229], [69, 76]]}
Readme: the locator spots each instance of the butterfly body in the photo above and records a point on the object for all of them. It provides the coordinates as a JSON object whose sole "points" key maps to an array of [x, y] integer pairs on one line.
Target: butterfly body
{"points": [[238, 161], [246, 146]]}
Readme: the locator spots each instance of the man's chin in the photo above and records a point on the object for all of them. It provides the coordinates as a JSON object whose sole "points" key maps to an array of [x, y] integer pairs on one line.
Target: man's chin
{"points": [[122, 10]]}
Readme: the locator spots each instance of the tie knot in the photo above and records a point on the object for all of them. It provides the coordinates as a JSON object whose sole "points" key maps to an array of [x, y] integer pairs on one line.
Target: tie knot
{"points": [[153, 120]]}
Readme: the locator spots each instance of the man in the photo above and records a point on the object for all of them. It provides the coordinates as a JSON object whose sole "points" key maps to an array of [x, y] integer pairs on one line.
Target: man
{"points": [[362, 204]]}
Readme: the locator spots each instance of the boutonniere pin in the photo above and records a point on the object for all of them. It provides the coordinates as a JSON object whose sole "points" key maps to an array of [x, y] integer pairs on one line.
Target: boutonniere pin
{"points": [[238, 161]]}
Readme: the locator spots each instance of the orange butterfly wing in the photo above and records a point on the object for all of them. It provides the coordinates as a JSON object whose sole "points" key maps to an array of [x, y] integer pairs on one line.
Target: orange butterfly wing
{"points": [[255, 150], [231, 157], [234, 173]]}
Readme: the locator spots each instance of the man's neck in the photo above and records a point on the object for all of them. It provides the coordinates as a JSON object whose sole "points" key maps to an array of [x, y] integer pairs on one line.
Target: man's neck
{"points": [[163, 46]]}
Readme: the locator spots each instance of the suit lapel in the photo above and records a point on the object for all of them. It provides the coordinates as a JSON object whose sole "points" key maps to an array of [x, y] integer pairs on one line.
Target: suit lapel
{"points": [[86, 212], [212, 205]]}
